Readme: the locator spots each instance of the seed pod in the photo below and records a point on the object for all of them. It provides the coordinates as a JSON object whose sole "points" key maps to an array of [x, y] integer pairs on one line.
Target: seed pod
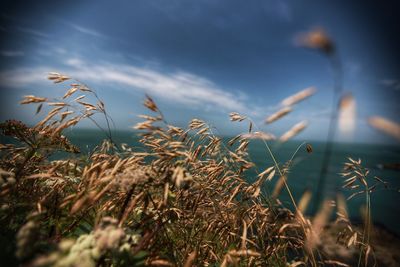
{"points": [[309, 148]]}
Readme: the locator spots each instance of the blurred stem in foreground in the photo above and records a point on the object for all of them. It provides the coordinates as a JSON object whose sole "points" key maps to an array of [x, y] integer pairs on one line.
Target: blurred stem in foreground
{"points": [[318, 40], [333, 121]]}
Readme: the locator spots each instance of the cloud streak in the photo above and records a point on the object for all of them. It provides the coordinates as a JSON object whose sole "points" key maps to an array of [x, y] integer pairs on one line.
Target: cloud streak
{"points": [[87, 31], [279, 9], [9, 53], [33, 32], [176, 87], [391, 83]]}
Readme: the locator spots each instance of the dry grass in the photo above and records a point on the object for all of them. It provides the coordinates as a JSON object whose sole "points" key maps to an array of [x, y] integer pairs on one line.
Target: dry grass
{"points": [[184, 201], [299, 96], [387, 126], [277, 115], [296, 129]]}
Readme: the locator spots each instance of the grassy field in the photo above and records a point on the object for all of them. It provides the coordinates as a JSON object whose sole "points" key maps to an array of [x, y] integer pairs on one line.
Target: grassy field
{"points": [[182, 199]]}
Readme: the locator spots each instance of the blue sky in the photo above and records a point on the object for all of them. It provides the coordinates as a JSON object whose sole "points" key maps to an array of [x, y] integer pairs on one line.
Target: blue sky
{"points": [[203, 59]]}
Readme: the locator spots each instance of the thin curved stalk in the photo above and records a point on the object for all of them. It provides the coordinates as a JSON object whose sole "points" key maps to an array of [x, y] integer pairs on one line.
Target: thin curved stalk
{"points": [[338, 84]]}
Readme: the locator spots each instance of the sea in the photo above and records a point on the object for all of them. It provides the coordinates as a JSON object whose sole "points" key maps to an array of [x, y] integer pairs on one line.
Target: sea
{"points": [[305, 171]]}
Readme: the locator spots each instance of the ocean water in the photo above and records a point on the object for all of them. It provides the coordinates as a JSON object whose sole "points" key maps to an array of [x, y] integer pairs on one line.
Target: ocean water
{"points": [[305, 170]]}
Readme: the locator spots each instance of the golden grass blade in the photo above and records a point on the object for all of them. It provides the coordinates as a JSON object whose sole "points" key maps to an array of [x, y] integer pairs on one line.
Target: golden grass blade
{"points": [[150, 104], [160, 263], [259, 135], [277, 115], [178, 176], [304, 200], [244, 252], [271, 175], [32, 99], [57, 77], [278, 187], [165, 197], [244, 235], [300, 96], [318, 223], [336, 263], [190, 259], [297, 263], [234, 116], [296, 129], [70, 92], [386, 126], [341, 205], [266, 171]]}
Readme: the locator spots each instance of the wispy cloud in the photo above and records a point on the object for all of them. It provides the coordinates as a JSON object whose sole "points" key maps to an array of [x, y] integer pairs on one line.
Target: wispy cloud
{"points": [[33, 32], [10, 53], [391, 83], [87, 31], [176, 87], [93, 33], [21, 77], [279, 9]]}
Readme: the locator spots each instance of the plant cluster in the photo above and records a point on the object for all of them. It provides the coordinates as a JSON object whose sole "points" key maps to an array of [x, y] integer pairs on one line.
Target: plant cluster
{"points": [[182, 201]]}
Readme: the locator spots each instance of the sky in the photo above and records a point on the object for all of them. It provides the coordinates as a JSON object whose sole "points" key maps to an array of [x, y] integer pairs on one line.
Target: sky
{"points": [[204, 59]]}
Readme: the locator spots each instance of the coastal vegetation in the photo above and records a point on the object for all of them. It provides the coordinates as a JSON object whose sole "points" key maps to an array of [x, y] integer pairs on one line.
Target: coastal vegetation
{"points": [[182, 199]]}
